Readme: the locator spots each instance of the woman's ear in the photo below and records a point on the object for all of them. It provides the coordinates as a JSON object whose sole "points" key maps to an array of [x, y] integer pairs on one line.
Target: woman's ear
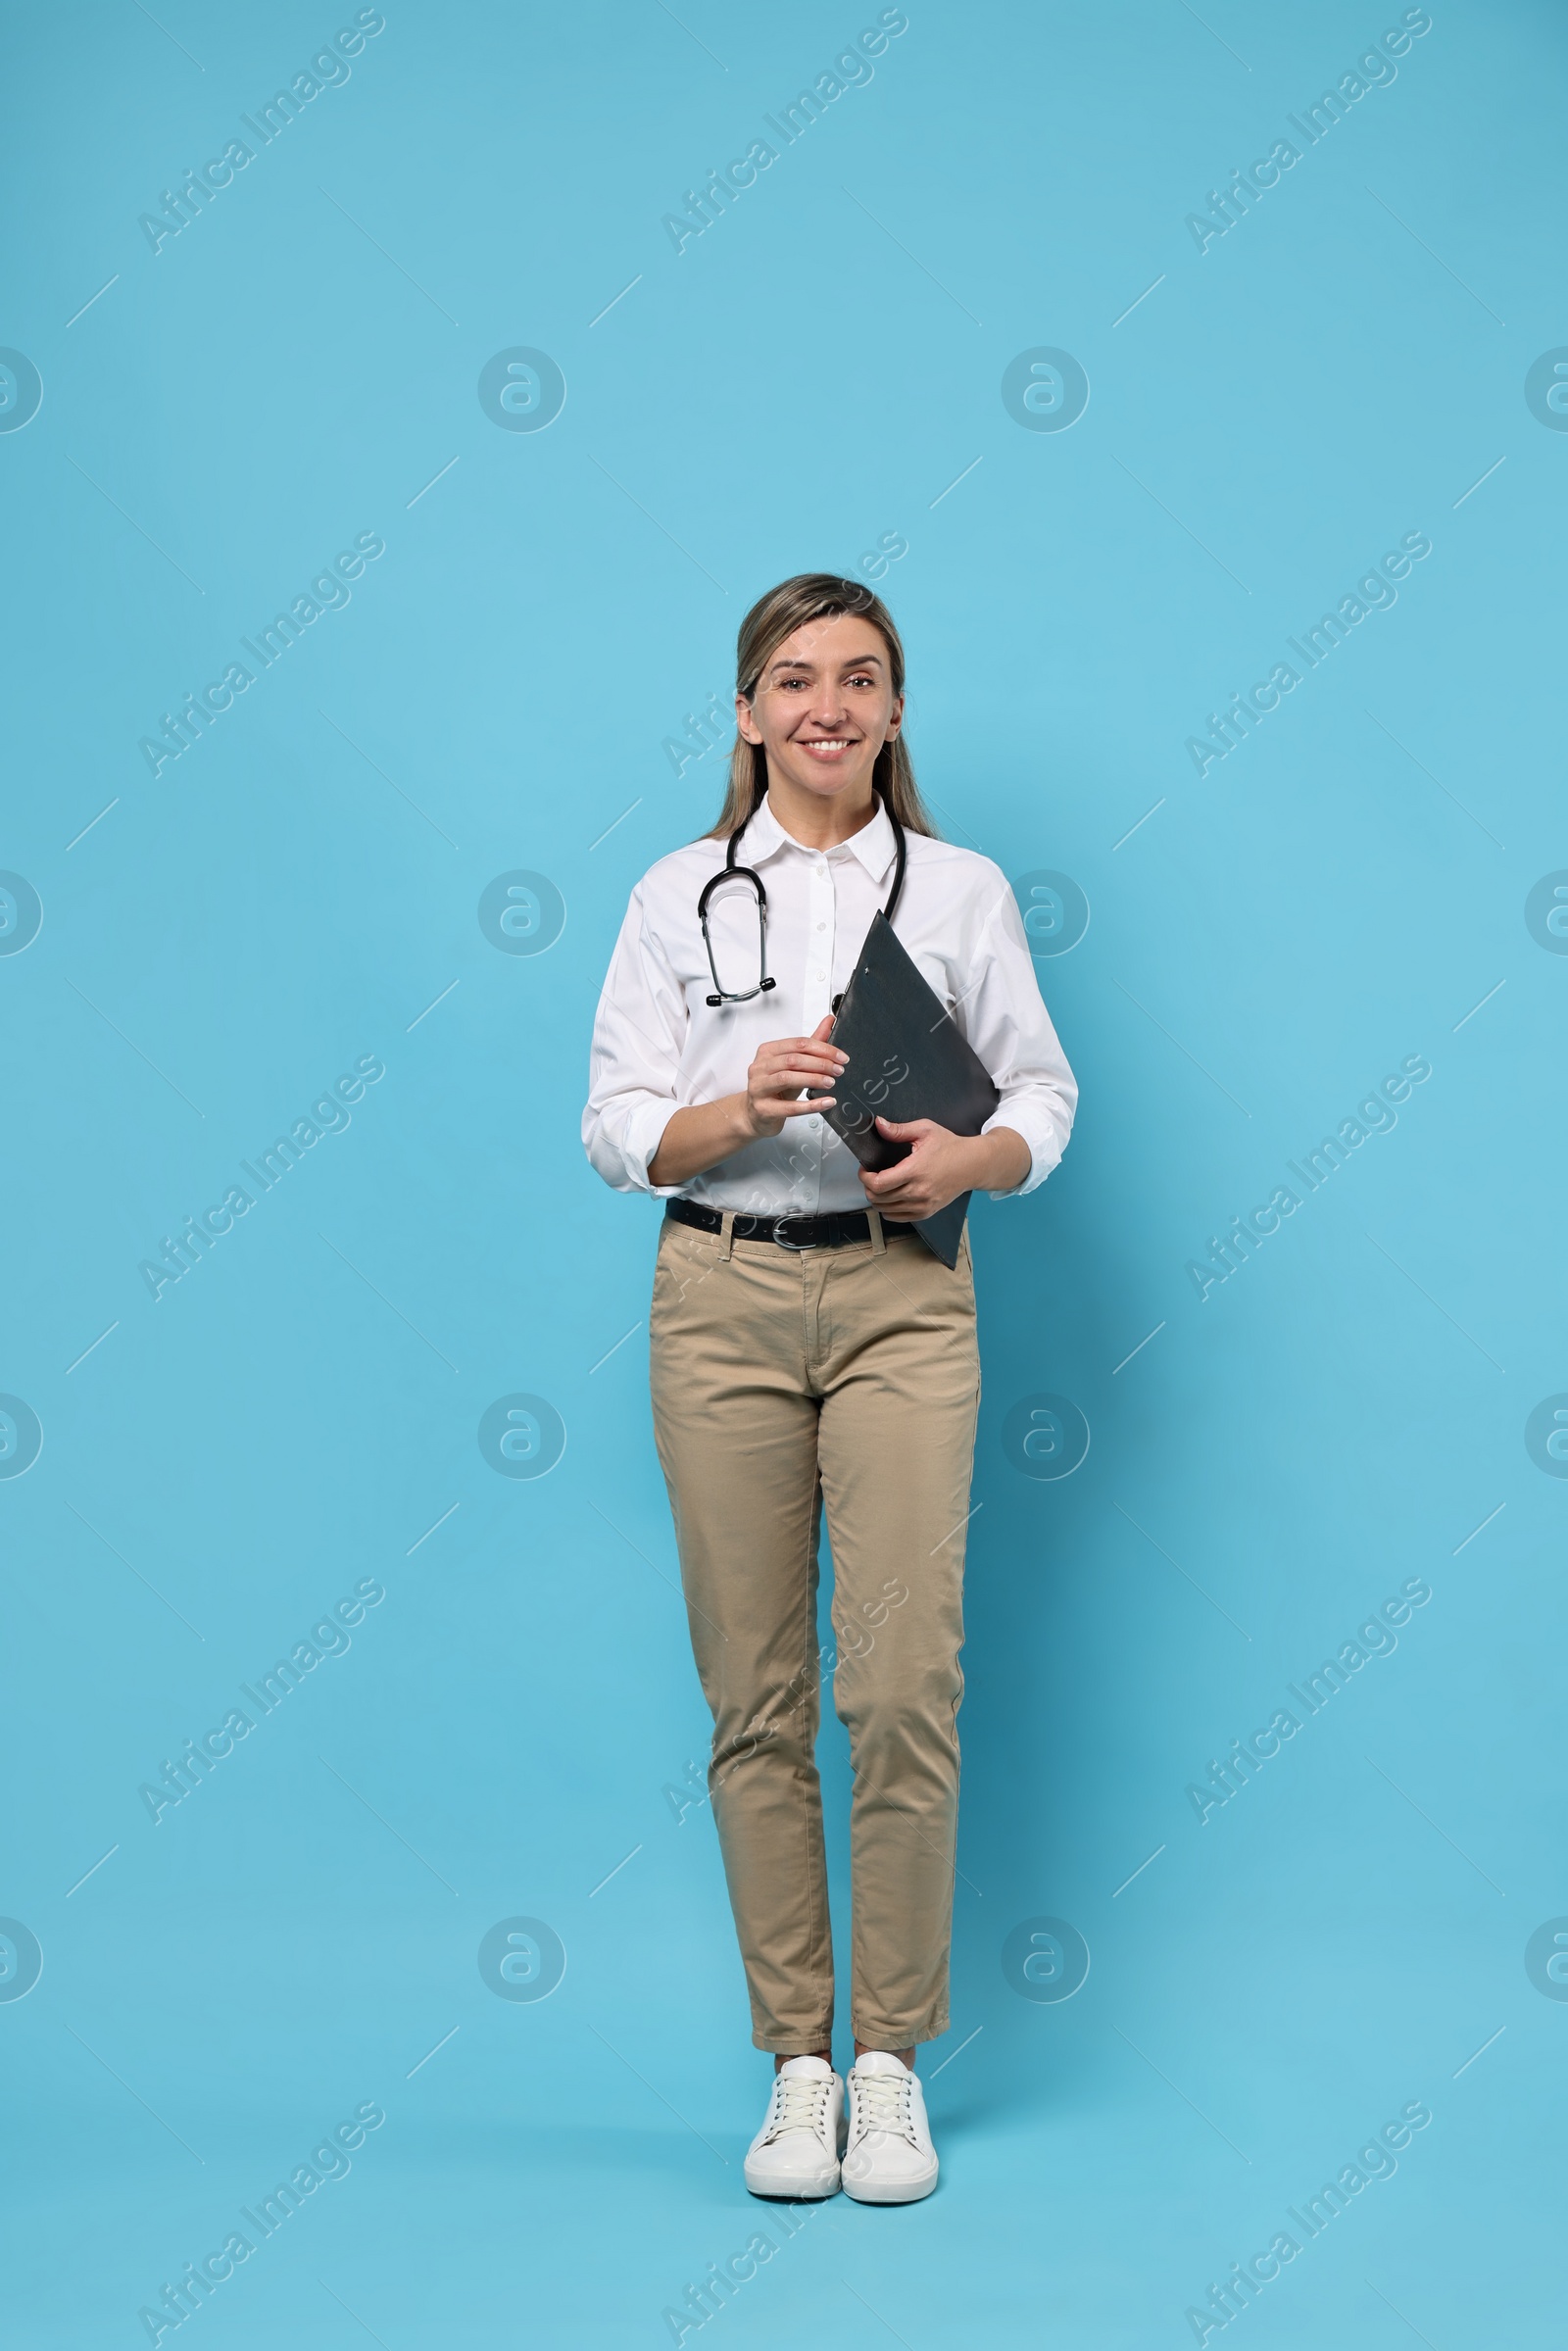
{"points": [[744, 721]]}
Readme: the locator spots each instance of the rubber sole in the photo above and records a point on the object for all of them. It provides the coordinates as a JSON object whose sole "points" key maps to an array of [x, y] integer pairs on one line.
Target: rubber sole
{"points": [[812, 2189], [901, 2193]]}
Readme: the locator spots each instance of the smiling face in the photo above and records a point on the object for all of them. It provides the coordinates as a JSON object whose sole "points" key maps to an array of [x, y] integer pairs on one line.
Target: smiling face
{"points": [[822, 710]]}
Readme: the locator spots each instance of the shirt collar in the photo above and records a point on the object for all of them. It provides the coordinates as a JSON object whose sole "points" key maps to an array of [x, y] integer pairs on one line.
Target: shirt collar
{"points": [[873, 844]]}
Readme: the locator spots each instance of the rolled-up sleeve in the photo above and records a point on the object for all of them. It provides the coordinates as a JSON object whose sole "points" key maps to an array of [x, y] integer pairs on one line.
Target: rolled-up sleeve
{"points": [[1005, 1018], [639, 1032]]}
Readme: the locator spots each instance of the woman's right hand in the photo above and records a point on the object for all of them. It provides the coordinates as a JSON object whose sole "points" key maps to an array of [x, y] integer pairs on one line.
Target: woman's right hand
{"points": [[780, 1071], [702, 1135]]}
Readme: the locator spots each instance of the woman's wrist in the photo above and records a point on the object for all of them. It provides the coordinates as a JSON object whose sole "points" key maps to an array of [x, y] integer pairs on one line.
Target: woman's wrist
{"points": [[699, 1136], [747, 1127], [1001, 1160]]}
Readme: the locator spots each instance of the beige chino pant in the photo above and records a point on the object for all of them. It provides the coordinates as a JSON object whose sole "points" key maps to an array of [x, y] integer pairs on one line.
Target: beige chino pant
{"points": [[784, 1381]]}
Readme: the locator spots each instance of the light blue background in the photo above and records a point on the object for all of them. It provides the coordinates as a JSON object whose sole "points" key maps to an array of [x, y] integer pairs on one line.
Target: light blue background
{"points": [[300, 888]]}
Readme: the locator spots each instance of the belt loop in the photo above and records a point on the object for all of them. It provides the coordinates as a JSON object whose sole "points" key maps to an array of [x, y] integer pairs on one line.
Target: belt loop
{"points": [[880, 1246], [726, 1236]]}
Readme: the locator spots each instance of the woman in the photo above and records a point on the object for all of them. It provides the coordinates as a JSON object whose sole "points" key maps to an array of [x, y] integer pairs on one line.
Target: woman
{"points": [[809, 1350]]}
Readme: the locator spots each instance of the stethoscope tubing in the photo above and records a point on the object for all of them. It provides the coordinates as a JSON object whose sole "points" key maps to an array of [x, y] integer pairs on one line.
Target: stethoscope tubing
{"points": [[730, 870]]}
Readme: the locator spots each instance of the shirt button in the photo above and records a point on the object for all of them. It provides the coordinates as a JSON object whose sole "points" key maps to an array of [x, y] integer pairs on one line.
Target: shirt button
{"points": [[821, 926]]}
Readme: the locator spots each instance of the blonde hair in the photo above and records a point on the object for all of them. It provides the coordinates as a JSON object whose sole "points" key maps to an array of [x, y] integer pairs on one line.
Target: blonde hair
{"points": [[814, 596]]}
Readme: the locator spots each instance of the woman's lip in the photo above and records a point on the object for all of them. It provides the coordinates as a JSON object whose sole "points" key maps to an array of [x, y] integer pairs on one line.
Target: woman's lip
{"points": [[833, 745]]}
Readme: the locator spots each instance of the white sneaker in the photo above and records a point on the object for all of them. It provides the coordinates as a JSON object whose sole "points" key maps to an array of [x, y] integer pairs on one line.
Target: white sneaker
{"points": [[889, 2158], [795, 2153]]}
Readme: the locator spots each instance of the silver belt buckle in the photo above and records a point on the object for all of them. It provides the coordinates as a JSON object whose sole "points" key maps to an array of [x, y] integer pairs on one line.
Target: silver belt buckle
{"points": [[798, 1247]]}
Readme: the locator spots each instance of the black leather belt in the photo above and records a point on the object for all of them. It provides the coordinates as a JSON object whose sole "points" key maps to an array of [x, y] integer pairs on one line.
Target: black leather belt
{"points": [[831, 1231]]}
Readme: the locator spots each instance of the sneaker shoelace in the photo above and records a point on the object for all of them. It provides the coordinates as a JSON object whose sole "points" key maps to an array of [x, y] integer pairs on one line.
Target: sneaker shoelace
{"points": [[883, 2102], [799, 2104]]}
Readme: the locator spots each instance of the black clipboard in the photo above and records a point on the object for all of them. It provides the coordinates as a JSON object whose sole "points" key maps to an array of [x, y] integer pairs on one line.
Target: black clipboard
{"points": [[907, 1060]]}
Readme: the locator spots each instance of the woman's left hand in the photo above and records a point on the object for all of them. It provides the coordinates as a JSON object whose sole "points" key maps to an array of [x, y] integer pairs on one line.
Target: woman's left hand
{"points": [[941, 1165]]}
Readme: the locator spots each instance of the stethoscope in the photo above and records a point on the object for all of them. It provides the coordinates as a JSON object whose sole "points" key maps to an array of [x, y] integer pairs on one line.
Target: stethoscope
{"points": [[731, 871]]}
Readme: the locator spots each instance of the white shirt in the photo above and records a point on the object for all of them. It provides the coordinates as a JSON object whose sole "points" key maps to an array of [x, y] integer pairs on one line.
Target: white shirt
{"points": [[657, 1044]]}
